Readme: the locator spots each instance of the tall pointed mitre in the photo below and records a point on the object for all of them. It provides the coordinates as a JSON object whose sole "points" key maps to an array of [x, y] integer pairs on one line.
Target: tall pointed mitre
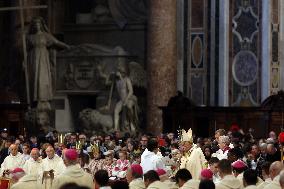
{"points": [[186, 136]]}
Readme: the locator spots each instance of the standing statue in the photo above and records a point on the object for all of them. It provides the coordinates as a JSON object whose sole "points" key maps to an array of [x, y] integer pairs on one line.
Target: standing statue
{"points": [[125, 76], [39, 39], [127, 101]]}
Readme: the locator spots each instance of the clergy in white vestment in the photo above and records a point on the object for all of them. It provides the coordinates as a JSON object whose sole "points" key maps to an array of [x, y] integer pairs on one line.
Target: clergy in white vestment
{"points": [[193, 158], [238, 170], [191, 184], [73, 172], [12, 161], [28, 181], [134, 177], [274, 172], [150, 160], [34, 164], [152, 181], [52, 166], [228, 181]]}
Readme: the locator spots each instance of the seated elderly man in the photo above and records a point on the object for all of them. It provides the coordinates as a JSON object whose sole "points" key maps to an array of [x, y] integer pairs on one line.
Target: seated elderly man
{"points": [[73, 172], [34, 164], [14, 160]]}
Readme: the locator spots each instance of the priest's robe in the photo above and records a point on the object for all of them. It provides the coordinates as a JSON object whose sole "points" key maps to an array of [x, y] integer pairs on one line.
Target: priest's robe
{"points": [[56, 164], [29, 181], [75, 174], [171, 185], [33, 167], [11, 162], [229, 182], [275, 184], [266, 182], [137, 184], [194, 162], [191, 184], [251, 187], [158, 185]]}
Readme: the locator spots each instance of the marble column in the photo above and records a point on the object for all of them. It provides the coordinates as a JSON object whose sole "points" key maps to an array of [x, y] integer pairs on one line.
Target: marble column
{"points": [[281, 44], [224, 52], [161, 60], [266, 49], [212, 52], [180, 45]]}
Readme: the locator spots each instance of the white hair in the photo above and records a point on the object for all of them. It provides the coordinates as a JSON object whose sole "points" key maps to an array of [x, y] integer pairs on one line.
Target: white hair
{"points": [[224, 139]]}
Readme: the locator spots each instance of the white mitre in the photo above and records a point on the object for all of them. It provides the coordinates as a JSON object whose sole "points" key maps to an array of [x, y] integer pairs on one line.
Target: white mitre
{"points": [[186, 136]]}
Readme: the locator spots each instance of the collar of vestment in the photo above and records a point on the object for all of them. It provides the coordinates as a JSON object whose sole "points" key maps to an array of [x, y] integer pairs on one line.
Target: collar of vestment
{"points": [[16, 156]]}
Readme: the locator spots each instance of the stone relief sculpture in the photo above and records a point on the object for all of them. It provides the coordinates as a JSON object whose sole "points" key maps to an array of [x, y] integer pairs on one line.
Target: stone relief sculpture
{"points": [[120, 111], [38, 41]]}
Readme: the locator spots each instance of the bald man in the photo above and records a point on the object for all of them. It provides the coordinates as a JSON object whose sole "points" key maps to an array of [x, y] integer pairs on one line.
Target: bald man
{"points": [[52, 163], [73, 172], [14, 160], [274, 171], [34, 164]]}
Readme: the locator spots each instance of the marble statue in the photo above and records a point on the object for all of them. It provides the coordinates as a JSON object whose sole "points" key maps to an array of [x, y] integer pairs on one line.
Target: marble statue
{"points": [[95, 120], [39, 39], [119, 108], [127, 75], [126, 100]]}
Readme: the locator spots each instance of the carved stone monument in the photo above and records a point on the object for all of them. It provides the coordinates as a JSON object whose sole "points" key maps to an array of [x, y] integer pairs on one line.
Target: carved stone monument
{"points": [[108, 77]]}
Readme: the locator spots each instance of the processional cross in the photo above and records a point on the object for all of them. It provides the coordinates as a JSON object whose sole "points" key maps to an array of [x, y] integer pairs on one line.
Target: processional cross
{"points": [[21, 8]]}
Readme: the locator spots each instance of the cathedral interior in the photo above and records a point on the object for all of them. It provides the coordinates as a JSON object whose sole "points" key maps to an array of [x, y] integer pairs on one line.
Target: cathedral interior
{"points": [[141, 65]]}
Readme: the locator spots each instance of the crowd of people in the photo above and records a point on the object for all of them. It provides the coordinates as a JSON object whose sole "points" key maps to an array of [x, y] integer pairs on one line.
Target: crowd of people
{"points": [[229, 160]]}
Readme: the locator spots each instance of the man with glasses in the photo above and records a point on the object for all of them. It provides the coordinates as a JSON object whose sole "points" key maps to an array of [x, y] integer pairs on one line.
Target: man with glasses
{"points": [[73, 140], [143, 142]]}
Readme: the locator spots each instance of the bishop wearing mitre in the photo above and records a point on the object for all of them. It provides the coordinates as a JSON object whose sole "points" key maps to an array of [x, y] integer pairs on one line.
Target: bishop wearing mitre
{"points": [[193, 158]]}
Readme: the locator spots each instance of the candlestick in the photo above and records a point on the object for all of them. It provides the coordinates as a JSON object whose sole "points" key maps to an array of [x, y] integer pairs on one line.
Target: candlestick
{"points": [[61, 138]]}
